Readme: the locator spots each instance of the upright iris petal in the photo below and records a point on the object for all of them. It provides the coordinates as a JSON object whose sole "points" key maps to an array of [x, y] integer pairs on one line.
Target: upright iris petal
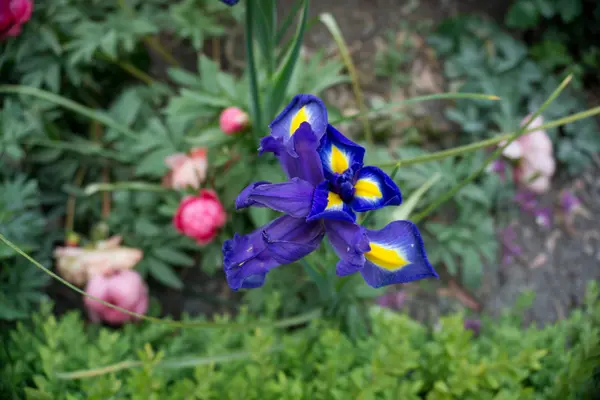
{"points": [[302, 108], [247, 259], [374, 189], [396, 255], [328, 204], [361, 188], [304, 161], [338, 153]]}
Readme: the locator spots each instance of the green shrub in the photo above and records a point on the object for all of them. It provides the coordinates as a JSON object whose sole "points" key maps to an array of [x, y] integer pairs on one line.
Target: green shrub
{"points": [[399, 359]]}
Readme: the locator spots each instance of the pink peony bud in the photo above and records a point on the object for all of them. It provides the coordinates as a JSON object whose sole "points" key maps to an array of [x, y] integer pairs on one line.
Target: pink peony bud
{"points": [[200, 217], [187, 170], [13, 14], [233, 120], [125, 289]]}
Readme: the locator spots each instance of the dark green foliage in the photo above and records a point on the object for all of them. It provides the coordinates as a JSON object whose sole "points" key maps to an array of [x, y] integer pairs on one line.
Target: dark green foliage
{"points": [[102, 55], [480, 57], [563, 33]]}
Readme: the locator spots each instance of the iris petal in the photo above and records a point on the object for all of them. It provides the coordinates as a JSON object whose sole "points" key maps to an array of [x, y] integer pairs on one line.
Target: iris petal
{"points": [[293, 197], [396, 255], [302, 108], [329, 205], [374, 189], [350, 244], [300, 158], [230, 2], [339, 153], [248, 258]]}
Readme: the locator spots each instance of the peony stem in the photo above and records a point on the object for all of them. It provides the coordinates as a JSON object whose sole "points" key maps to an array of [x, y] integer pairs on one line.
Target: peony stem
{"points": [[495, 154], [456, 151], [328, 20], [71, 203], [112, 187], [240, 326]]}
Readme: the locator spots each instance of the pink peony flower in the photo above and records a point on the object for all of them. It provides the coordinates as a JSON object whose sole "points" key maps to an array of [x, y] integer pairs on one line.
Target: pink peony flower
{"points": [[200, 217], [13, 14], [535, 160], [187, 170], [78, 264], [125, 289], [233, 120]]}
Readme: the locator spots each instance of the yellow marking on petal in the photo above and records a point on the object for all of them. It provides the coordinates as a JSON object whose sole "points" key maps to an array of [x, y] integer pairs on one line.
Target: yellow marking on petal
{"points": [[385, 258], [300, 117], [338, 161], [333, 200], [368, 189]]}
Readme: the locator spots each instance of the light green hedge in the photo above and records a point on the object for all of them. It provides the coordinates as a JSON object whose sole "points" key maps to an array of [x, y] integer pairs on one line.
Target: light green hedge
{"points": [[399, 359]]}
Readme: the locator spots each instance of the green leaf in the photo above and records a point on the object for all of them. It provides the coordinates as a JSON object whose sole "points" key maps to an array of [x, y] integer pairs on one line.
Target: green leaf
{"points": [[523, 14], [34, 394], [260, 216], [172, 256], [285, 71], [163, 273], [403, 211]]}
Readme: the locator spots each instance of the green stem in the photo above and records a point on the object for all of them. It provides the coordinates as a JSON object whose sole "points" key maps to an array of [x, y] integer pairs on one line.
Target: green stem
{"points": [[166, 364], [254, 90], [71, 105], [415, 100], [130, 68], [457, 151], [151, 41], [449, 194], [112, 187], [91, 149], [328, 20], [283, 323]]}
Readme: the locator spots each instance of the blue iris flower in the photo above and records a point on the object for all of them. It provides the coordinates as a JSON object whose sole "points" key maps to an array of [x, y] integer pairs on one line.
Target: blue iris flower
{"points": [[327, 182], [230, 2]]}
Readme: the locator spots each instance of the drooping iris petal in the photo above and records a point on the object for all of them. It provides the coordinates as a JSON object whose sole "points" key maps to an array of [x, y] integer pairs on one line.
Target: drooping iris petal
{"points": [[302, 108], [374, 189], [339, 153], [248, 258], [289, 239], [397, 255], [329, 205], [300, 159], [230, 2], [350, 244], [293, 197]]}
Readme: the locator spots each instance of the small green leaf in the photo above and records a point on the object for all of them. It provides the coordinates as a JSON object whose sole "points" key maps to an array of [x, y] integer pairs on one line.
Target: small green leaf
{"points": [[403, 211], [173, 256], [286, 69], [163, 273]]}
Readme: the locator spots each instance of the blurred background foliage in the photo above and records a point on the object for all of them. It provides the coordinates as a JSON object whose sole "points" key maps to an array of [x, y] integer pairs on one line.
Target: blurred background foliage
{"points": [[163, 72]]}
